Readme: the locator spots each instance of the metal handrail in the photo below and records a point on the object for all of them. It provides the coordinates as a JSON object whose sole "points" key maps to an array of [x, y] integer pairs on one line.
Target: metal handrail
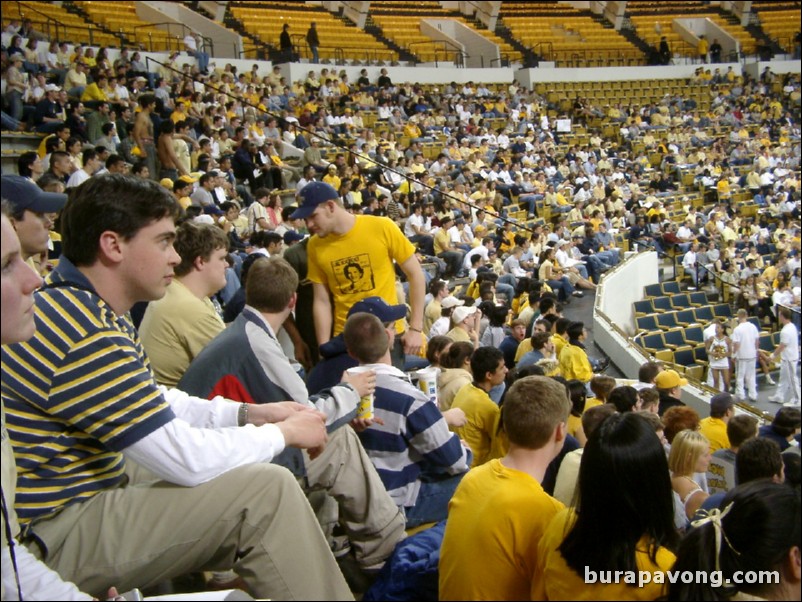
{"points": [[456, 50], [46, 22], [478, 8], [504, 57], [62, 31], [207, 41], [540, 46]]}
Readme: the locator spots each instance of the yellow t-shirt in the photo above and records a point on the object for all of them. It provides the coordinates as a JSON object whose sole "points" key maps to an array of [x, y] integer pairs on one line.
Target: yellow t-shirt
{"points": [[359, 264], [555, 580], [524, 347], [441, 241], [574, 424], [574, 363], [175, 330], [481, 430], [715, 429], [495, 521], [430, 315]]}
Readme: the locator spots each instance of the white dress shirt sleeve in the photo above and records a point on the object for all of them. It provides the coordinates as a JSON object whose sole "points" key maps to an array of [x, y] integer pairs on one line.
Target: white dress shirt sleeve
{"points": [[37, 580]]}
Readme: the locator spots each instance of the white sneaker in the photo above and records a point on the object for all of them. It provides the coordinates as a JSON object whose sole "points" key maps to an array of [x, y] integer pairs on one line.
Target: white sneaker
{"points": [[775, 400], [770, 380], [791, 404]]}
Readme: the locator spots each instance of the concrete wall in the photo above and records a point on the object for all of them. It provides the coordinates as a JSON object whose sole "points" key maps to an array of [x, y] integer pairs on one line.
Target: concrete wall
{"points": [[216, 9], [477, 50], [777, 67], [739, 9], [485, 12], [613, 314], [356, 12], [614, 13], [640, 268], [399, 75], [691, 29], [227, 44], [528, 77]]}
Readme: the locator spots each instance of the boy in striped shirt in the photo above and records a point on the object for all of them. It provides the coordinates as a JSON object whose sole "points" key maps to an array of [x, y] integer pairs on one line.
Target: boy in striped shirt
{"points": [[418, 459]]}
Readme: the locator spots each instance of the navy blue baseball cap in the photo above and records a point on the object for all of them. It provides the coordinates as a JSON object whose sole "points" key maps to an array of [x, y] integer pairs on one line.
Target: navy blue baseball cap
{"points": [[379, 308], [291, 236], [312, 195], [23, 195]]}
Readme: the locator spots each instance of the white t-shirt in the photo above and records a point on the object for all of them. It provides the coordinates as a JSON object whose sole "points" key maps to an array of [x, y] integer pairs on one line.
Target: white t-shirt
{"points": [[746, 336], [77, 178], [790, 338], [480, 250], [440, 327], [413, 220]]}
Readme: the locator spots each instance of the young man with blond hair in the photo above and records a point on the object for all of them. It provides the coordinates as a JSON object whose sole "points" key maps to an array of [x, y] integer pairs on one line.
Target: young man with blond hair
{"points": [[500, 511]]}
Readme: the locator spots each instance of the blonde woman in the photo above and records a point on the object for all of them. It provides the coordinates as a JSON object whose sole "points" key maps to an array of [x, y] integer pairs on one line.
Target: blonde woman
{"points": [[690, 453]]}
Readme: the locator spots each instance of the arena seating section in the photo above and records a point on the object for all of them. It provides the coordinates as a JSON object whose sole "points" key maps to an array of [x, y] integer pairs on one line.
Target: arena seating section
{"points": [[668, 321], [567, 36], [779, 20], [264, 20], [120, 16], [670, 326], [56, 22], [646, 15]]}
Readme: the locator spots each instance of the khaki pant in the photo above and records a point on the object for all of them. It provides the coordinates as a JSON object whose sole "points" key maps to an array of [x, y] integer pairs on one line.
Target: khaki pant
{"points": [[254, 519], [367, 513]]}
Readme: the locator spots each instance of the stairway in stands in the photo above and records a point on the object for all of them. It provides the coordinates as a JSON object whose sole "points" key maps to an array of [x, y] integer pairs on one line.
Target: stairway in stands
{"points": [[628, 31], [530, 58], [72, 8], [249, 39], [374, 30], [767, 47]]}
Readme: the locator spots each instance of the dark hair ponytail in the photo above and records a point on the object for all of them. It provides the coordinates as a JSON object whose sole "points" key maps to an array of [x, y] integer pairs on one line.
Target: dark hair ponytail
{"points": [[761, 523]]}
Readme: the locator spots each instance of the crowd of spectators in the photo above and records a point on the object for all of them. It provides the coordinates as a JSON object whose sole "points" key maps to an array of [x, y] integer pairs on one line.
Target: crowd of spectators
{"points": [[463, 221]]}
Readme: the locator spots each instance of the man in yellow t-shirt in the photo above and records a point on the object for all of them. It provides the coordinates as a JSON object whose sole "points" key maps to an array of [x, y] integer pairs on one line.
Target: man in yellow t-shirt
{"points": [[489, 549], [714, 427], [352, 257], [480, 431], [701, 47], [574, 362]]}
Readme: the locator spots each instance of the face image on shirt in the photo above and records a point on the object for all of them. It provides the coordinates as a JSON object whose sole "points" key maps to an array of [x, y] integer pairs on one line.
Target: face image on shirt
{"points": [[354, 274]]}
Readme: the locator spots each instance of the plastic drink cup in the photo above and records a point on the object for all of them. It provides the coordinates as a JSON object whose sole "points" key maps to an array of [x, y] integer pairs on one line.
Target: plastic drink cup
{"points": [[427, 381], [365, 408]]}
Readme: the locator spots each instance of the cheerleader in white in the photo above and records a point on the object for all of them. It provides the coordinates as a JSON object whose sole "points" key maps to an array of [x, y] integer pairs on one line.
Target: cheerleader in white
{"points": [[719, 349]]}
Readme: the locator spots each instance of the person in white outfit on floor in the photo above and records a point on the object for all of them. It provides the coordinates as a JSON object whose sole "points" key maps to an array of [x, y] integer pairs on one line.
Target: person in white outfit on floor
{"points": [[788, 350], [746, 342]]}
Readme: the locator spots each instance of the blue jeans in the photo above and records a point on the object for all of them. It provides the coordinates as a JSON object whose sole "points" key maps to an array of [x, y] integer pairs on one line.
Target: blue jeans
{"points": [[9, 123], [432, 503], [14, 102], [531, 200], [414, 362], [506, 290], [562, 287], [203, 59], [611, 257], [315, 56]]}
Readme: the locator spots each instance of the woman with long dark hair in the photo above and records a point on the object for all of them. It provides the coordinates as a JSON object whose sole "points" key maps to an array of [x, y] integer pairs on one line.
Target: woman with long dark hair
{"points": [[757, 532], [622, 521]]}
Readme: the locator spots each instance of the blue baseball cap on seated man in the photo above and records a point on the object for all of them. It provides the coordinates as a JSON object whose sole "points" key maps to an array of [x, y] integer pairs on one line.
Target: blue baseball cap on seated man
{"points": [[24, 195], [312, 195], [379, 308]]}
